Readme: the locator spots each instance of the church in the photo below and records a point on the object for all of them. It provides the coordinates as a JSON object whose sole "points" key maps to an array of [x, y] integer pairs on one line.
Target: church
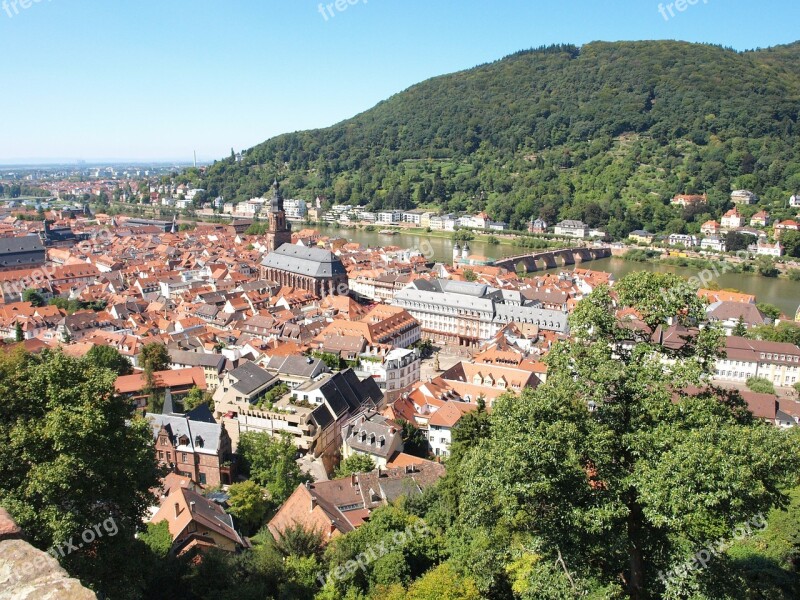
{"points": [[315, 270]]}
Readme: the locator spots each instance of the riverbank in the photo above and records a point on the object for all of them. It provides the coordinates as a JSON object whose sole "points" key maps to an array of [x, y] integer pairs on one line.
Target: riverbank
{"points": [[722, 262], [782, 292]]}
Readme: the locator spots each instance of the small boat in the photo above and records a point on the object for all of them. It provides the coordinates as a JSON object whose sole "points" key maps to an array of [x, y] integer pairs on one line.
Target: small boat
{"points": [[388, 232]]}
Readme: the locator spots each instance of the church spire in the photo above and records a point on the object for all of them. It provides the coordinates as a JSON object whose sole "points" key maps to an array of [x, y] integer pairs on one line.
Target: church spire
{"points": [[277, 199], [280, 230]]}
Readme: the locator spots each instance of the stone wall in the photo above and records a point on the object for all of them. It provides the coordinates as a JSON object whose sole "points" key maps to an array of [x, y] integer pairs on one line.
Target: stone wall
{"points": [[30, 574]]}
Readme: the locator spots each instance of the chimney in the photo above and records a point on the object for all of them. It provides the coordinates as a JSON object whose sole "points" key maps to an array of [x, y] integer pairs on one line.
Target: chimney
{"points": [[191, 506], [313, 503], [177, 510], [353, 479]]}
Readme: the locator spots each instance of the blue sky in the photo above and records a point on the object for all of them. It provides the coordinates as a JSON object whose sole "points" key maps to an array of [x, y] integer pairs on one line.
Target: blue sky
{"points": [[152, 80]]}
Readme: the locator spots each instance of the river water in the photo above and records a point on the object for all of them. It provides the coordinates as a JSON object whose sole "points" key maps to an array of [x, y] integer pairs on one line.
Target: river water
{"points": [[783, 293]]}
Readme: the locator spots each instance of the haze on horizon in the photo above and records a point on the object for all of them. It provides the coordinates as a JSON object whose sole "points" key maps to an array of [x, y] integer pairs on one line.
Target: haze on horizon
{"points": [[156, 81]]}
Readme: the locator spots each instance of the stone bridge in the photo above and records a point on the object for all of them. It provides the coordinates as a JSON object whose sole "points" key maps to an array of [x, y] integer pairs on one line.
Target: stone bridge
{"points": [[552, 259]]}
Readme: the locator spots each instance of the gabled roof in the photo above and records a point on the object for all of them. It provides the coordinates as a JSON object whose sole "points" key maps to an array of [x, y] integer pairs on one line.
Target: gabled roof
{"points": [[297, 366], [27, 243], [172, 378], [450, 413], [202, 437], [250, 377], [346, 395], [193, 507], [313, 262]]}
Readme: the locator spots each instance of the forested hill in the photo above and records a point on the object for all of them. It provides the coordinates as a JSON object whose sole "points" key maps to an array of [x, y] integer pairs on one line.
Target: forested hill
{"points": [[606, 133]]}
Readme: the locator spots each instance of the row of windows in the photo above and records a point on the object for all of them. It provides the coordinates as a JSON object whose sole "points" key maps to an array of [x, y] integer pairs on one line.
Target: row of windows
{"points": [[783, 357], [743, 375], [184, 456]]}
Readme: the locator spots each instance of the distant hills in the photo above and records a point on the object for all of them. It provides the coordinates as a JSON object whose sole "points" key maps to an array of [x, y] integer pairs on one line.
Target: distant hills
{"points": [[606, 133]]}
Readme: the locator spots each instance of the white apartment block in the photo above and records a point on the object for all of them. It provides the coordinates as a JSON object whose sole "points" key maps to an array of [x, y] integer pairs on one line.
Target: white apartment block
{"points": [[397, 370], [389, 217], [295, 209], [680, 239], [572, 228], [763, 248], [777, 362], [465, 314]]}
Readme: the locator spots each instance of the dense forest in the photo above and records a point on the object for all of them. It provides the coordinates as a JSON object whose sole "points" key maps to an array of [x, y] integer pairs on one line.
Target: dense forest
{"points": [[606, 133]]}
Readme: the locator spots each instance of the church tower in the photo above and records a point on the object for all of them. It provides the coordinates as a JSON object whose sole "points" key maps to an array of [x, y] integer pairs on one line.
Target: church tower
{"points": [[280, 230]]}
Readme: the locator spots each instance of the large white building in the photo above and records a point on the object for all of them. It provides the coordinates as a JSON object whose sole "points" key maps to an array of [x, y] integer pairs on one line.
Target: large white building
{"points": [[713, 243], [295, 209], [681, 239], [745, 358], [389, 217], [465, 314], [764, 248], [397, 370], [572, 228], [743, 197]]}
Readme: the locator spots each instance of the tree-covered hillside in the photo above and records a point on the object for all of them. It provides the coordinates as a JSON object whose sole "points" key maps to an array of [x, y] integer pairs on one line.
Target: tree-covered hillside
{"points": [[607, 133]]}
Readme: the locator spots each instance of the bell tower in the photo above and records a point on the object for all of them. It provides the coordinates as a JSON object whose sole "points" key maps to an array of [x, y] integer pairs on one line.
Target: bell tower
{"points": [[280, 230]]}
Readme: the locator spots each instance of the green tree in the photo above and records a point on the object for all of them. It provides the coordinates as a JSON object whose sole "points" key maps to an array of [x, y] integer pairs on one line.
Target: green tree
{"points": [[60, 422], [271, 462], [154, 357], [470, 275], [740, 329], [736, 241], [70, 306], [157, 538], [463, 235], [296, 540], [19, 335], [765, 265], [402, 546], [248, 504], [33, 296], [357, 463], [760, 385], [770, 310], [331, 360], [589, 462], [786, 332], [109, 358], [763, 563], [469, 431], [443, 583], [414, 441], [425, 348], [195, 398], [791, 243]]}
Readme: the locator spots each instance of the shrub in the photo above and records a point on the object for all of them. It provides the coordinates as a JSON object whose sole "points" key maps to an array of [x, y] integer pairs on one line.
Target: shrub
{"points": [[760, 385]]}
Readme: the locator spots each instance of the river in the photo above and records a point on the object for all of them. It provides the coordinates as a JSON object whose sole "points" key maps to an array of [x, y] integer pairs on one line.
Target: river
{"points": [[783, 293]]}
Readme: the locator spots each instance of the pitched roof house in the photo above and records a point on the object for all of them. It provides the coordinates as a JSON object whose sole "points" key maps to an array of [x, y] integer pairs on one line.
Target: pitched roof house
{"points": [[340, 506], [198, 524]]}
